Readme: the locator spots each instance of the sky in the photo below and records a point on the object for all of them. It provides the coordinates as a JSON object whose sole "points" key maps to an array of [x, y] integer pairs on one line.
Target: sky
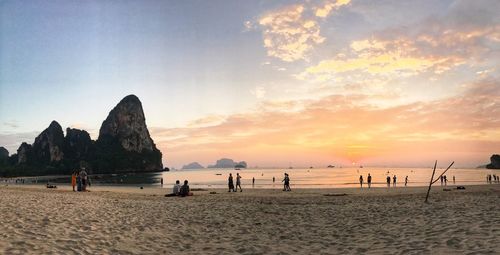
{"points": [[274, 83]]}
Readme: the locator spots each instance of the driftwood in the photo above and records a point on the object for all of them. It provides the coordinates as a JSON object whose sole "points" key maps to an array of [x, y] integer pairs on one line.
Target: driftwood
{"points": [[437, 179]]}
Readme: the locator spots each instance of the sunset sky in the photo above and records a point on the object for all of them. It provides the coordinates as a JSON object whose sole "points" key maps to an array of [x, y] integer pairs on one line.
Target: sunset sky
{"points": [[379, 83]]}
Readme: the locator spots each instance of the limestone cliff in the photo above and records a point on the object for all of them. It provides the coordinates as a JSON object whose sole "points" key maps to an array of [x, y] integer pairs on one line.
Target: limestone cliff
{"points": [[124, 143], [48, 146]]}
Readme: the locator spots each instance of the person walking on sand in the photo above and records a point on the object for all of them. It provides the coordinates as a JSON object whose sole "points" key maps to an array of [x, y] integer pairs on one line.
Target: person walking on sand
{"points": [[230, 183], [388, 181], [406, 180], [286, 183], [369, 179], [238, 182], [394, 181], [361, 180], [73, 180]]}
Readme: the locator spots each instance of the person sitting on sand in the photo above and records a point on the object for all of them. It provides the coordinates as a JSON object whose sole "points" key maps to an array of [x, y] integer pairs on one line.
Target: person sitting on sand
{"points": [[361, 180], [230, 183], [50, 186], [175, 190], [369, 179], [238, 182], [185, 190]]}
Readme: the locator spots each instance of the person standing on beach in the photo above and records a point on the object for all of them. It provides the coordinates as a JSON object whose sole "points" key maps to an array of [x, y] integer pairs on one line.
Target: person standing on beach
{"points": [[394, 181], [369, 179], [453, 179], [406, 180], [238, 182], [73, 180], [361, 180], [442, 180], [445, 180], [83, 177], [388, 181], [274, 179], [230, 183], [253, 181]]}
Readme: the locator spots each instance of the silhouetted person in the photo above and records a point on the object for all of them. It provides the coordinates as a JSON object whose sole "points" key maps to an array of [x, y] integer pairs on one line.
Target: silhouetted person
{"points": [[238, 182], [394, 181], [388, 181], [230, 183], [361, 180], [369, 179], [286, 183], [445, 180], [274, 179], [185, 190], [406, 180], [161, 182], [442, 180], [253, 181], [453, 179]]}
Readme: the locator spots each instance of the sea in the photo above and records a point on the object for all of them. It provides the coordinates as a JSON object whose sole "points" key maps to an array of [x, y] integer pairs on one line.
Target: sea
{"points": [[272, 178]]}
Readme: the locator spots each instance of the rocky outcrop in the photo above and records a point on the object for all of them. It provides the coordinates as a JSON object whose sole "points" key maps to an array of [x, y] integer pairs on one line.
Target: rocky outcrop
{"points": [[77, 144], [4, 154], [126, 124], [24, 153], [495, 162], [48, 146], [124, 143], [194, 165], [228, 163]]}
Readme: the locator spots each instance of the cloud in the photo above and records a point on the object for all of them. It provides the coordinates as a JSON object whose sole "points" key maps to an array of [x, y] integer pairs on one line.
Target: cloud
{"points": [[348, 128], [259, 92], [325, 10], [287, 35]]}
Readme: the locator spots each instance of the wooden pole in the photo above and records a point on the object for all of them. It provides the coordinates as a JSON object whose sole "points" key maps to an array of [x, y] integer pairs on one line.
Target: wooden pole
{"points": [[430, 183]]}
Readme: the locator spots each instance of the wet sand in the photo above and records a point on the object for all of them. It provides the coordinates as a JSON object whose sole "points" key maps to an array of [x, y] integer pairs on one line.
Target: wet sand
{"points": [[125, 220]]}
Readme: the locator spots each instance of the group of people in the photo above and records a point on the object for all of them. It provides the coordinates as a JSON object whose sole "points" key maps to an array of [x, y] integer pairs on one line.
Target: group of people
{"points": [[180, 190], [388, 179], [80, 180], [495, 178], [444, 180]]}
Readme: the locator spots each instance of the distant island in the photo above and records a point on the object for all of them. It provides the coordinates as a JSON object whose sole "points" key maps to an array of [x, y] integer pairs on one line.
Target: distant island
{"points": [[228, 163], [495, 162], [123, 145], [193, 165]]}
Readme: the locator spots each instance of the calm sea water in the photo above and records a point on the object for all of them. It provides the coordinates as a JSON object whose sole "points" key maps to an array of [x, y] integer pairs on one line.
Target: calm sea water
{"points": [[323, 177], [299, 178]]}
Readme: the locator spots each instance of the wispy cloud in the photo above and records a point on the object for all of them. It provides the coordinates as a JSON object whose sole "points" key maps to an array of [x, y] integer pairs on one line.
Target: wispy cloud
{"points": [[324, 11], [291, 33]]}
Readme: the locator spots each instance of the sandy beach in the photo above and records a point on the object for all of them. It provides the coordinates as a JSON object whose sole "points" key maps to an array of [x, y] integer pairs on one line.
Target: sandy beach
{"points": [[113, 220]]}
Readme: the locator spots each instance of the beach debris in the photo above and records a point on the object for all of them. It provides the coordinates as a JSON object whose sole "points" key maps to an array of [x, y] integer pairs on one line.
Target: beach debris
{"points": [[460, 187], [213, 192], [335, 195], [141, 187], [437, 179], [446, 189]]}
